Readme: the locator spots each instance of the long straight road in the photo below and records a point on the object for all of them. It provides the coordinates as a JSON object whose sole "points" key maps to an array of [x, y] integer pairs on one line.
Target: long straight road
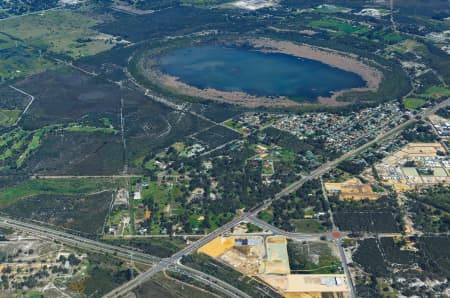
{"points": [[338, 242], [174, 259], [78, 241]]}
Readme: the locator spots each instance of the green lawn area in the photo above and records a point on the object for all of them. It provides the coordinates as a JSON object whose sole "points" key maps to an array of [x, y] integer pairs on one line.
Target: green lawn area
{"points": [[287, 156], [308, 226], [34, 144], [60, 31], [267, 168], [8, 117], [413, 103], [234, 125], [338, 25], [389, 37], [179, 147], [81, 128], [12, 136], [150, 165], [266, 215], [435, 92], [33, 187], [160, 194], [406, 46], [15, 144]]}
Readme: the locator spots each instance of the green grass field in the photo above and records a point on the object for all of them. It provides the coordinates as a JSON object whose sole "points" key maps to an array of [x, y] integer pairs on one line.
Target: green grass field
{"points": [[8, 117], [406, 46], [435, 92], [80, 128], [389, 37], [308, 226], [18, 59], [234, 125], [413, 103], [338, 25], [54, 186], [60, 31], [33, 145]]}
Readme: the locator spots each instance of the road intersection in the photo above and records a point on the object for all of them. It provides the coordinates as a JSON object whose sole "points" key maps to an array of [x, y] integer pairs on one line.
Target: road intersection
{"points": [[251, 214], [173, 262]]}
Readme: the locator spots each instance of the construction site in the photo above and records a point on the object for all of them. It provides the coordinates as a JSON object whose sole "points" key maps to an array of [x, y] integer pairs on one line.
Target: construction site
{"points": [[352, 189], [265, 257], [415, 166]]}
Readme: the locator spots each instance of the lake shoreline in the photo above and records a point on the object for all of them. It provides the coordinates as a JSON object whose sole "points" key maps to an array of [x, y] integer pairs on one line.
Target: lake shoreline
{"points": [[343, 61]]}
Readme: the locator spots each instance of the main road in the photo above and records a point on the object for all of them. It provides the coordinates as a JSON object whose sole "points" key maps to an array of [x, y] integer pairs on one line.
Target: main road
{"points": [[251, 214], [173, 261], [78, 241]]}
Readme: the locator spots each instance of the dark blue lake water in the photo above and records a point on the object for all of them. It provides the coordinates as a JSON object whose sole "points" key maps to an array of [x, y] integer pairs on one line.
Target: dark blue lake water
{"points": [[256, 73]]}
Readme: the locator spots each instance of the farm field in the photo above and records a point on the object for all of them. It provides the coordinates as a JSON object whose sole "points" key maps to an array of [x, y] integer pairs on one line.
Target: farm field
{"points": [[61, 31]]}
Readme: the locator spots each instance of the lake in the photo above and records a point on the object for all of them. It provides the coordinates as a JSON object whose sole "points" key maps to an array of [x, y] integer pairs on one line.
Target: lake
{"points": [[256, 73]]}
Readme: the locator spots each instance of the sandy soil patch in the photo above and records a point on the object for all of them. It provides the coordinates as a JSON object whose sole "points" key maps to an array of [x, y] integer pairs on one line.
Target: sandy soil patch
{"points": [[309, 283], [304, 32], [352, 189], [277, 256], [217, 246]]}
